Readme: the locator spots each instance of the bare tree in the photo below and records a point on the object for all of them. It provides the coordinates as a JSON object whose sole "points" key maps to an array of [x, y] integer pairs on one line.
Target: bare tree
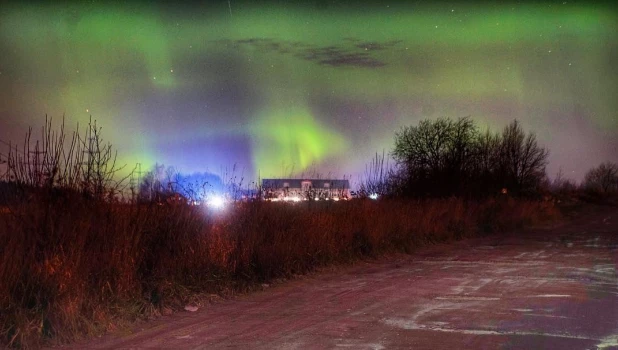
{"points": [[99, 164], [83, 163], [436, 157], [459, 158], [603, 179], [485, 160], [561, 185], [522, 161]]}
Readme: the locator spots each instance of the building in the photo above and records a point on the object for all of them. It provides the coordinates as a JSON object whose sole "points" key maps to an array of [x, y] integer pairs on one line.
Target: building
{"points": [[305, 189]]}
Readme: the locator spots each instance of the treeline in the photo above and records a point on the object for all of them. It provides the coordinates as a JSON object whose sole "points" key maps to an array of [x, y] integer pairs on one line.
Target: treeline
{"points": [[434, 159], [445, 157], [165, 184]]}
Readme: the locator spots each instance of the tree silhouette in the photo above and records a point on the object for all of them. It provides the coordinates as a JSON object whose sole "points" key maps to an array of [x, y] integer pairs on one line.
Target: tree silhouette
{"points": [[522, 161], [602, 179], [447, 157]]}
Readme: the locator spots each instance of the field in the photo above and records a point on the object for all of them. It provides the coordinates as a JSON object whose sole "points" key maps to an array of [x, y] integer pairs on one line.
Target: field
{"points": [[74, 268]]}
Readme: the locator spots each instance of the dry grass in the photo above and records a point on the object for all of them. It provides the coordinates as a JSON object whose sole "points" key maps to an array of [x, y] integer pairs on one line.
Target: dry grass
{"points": [[72, 267]]}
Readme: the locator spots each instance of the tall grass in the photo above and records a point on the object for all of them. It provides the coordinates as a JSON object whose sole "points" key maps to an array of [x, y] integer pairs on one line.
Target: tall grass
{"points": [[70, 267], [76, 262]]}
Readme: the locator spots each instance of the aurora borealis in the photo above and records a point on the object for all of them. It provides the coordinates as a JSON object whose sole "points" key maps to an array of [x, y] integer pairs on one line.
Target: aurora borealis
{"points": [[285, 87]]}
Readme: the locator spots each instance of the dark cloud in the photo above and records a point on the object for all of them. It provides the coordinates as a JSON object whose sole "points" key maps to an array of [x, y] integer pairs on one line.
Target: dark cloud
{"points": [[372, 45], [338, 58], [357, 55], [266, 45]]}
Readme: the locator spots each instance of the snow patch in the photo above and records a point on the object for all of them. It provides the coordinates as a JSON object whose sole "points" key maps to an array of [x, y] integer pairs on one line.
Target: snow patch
{"points": [[540, 315], [372, 346], [468, 287], [457, 297], [604, 268], [476, 263], [609, 341], [411, 325]]}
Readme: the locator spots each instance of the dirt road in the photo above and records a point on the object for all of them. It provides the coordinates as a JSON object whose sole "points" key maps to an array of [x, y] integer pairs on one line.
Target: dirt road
{"points": [[544, 289]]}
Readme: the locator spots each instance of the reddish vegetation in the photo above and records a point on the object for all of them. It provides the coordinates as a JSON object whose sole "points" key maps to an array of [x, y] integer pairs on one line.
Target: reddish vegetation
{"points": [[75, 262], [71, 267]]}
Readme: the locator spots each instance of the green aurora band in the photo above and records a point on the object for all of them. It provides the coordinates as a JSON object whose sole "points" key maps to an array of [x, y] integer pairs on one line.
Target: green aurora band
{"points": [[496, 63]]}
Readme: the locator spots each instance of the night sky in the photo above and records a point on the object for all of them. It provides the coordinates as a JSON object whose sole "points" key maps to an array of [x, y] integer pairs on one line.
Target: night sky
{"points": [[292, 87]]}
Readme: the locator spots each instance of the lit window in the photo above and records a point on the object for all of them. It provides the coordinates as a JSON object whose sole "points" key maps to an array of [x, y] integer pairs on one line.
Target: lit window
{"points": [[327, 185]]}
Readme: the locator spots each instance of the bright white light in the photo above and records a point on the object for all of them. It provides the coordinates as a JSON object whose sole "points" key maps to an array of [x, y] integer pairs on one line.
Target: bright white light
{"points": [[335, 198], [317, 198], [216, 202], [373, 196], [296, 199]]}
